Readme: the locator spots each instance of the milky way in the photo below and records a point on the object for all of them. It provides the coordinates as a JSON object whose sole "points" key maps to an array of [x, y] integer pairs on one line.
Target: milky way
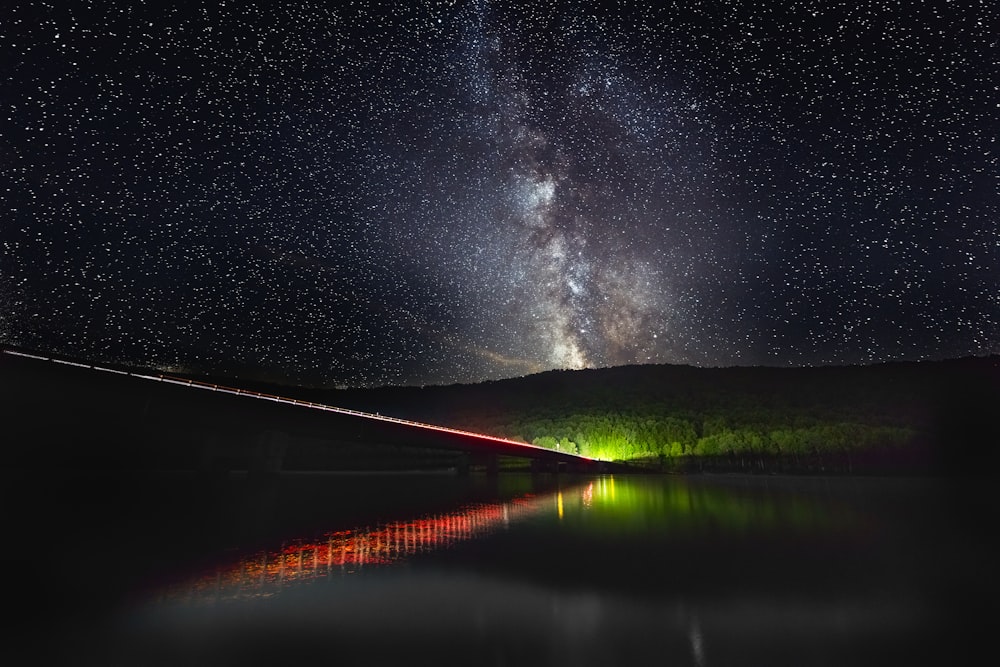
{"points": [[364, 193]]}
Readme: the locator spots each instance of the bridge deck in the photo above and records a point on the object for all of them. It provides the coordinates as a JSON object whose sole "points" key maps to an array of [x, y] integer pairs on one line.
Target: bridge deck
{"points": [[298, 417]]}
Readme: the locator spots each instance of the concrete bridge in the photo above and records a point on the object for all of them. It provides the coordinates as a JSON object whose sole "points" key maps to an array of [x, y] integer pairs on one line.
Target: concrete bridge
{"points": [[85, 414]]}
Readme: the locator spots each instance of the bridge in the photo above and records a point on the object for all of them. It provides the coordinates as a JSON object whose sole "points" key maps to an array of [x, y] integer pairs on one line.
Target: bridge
{"points": [[62, 404]]}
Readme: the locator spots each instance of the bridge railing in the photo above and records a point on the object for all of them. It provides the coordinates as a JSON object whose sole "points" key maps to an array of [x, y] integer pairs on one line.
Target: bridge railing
{"points": [[198, 384]]}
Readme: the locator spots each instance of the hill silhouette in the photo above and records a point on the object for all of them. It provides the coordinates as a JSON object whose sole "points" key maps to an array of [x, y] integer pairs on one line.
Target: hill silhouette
{"points": [[933, 415], [923, 416]]}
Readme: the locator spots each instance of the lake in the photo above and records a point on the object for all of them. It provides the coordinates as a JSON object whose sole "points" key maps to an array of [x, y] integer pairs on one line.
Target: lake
{"points": [[515, 569]]}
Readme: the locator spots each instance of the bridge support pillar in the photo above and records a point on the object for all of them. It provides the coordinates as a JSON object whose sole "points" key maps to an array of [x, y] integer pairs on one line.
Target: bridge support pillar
{"points": [[268, 453], [542, 466], [212, 461], [492, 465]]}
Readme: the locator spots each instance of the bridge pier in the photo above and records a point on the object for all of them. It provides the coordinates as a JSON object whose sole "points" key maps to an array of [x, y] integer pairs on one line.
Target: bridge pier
{"points": [[492, 465], [544, 466], [212, 460], [219, 454], [268, 453], [489, 462]]}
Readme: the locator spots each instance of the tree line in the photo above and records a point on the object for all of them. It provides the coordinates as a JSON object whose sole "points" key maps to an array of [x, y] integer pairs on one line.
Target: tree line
{"points": [[878, 418]]}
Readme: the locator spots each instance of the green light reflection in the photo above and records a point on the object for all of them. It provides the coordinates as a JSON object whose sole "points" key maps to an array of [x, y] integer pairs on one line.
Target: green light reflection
{"points": [[670, 505]]}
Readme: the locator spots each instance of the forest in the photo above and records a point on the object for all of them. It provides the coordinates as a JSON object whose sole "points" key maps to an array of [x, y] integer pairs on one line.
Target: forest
{"points": [[923, 416]]}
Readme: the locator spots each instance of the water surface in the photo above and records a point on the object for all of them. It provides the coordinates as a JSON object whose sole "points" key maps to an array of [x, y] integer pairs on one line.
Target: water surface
{"points": [[162, 569]]}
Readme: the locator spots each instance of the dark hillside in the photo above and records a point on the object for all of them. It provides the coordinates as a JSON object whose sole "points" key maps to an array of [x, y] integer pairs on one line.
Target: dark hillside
{"points": [[940, 415], [931, 416]]}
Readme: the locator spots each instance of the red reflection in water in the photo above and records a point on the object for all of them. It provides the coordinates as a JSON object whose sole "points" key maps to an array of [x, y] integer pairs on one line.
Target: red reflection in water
{"points": [[347, 551]]}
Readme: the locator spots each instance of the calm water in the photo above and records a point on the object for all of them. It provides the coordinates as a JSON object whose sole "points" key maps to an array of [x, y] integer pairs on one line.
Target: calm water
{"points": [[165, 569]]}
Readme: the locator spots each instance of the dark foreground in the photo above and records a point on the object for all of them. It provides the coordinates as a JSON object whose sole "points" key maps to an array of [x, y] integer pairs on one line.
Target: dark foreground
{"points": [[172, 569]]}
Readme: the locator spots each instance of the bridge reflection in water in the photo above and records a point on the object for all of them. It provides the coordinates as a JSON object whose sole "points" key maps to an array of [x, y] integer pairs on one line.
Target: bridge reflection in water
{"points": [[703, 570], [343, 552]]}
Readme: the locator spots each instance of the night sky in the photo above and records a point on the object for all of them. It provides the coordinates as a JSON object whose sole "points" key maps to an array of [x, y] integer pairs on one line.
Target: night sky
{"points": [[360, 194]]}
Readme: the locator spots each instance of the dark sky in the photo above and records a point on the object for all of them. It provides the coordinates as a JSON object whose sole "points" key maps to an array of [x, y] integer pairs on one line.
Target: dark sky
{"points": [[409, 193]]}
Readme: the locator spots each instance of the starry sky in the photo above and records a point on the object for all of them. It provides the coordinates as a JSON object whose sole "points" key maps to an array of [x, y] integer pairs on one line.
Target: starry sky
{"points": [[364, 193]]}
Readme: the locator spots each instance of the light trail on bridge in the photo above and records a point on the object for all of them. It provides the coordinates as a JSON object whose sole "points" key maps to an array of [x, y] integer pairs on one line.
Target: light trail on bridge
{"points": [[530, 451]]}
